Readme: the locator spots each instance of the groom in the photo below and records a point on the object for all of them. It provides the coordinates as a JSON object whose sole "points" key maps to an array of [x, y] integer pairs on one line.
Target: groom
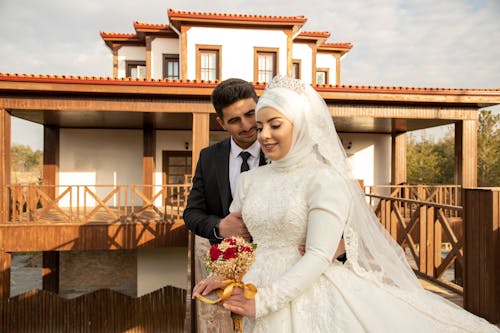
{"points": [[214, 182]]}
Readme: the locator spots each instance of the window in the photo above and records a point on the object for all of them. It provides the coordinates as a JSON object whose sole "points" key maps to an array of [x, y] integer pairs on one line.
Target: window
{"points": [[296, 69], [266, 60], [136, 69], [208, 62], [322, 76], [171, 66]]}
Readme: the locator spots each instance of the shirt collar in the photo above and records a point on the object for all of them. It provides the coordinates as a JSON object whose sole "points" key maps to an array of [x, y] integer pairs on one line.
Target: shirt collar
{"points": [[254, 149]]}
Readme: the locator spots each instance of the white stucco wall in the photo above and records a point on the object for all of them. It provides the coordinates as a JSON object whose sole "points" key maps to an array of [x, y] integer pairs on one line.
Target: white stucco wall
{"points": [[304, 53], [237, 49], [99, 157], [129, 53], [370, 156], [161, 46], [327, 61], [161, 267]]}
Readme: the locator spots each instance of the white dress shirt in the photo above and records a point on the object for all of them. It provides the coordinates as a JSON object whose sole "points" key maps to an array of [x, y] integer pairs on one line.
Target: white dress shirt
{"points": [[235, 161]]}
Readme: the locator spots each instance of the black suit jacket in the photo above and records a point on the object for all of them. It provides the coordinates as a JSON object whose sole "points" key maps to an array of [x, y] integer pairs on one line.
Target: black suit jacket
{"points": [[210, 195]]}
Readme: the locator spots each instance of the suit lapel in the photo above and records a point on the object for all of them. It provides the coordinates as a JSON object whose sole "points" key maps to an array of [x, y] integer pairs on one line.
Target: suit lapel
{"points": [[222, 167]]}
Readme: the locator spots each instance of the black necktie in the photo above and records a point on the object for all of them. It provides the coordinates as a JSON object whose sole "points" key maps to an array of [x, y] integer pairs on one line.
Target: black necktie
{"points": [[244, 165]]}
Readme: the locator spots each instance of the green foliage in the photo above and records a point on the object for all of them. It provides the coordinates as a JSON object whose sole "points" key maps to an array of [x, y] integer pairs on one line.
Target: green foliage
{"points": [[430, 162], [24, 159], [488, 149]]}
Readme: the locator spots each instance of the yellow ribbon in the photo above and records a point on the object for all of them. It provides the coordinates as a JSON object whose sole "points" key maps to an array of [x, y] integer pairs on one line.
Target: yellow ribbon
{"points": [[249, 291]]}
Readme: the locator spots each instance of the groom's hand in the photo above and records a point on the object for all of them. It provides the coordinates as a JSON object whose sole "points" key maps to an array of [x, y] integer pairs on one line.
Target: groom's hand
{"points": [[232, 225]]}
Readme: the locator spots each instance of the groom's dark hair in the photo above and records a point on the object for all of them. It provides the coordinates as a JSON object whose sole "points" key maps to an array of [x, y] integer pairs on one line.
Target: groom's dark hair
{"points": [[230, 91]]}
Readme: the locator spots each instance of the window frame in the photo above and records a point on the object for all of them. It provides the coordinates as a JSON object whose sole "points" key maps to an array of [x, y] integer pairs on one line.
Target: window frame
{"points": [[166, 58], [260, 50], [217, 49], [129, 64], [327, 75], [297, 62]]}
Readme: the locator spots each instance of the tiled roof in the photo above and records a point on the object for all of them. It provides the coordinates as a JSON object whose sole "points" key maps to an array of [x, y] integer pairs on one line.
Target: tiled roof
{"points": [[144, 25], [313, 34], [14, 77], [344, 46], [178, 14], [117, 35]]}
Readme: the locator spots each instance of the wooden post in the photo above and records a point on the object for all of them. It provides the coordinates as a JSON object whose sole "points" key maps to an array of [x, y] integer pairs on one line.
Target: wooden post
{"points": [[201, 135], [115, 61], [482, 252], [5, 163], [430, 249], [149, 40], [466, 153], [422, 265], [5, 264], [50, 271], [398, 158], [148, 160]]}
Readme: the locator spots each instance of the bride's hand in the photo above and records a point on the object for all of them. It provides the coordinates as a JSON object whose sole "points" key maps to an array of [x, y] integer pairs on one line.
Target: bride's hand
{"points": [[239, 304], [206, 286]]}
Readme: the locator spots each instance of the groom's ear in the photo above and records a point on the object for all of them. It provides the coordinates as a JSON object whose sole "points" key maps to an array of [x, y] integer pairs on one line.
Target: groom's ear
{"points": [[221, 123]]}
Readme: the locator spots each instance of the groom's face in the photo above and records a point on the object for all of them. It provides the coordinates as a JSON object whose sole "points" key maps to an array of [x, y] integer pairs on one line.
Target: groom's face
{"points": [[239, 121]]}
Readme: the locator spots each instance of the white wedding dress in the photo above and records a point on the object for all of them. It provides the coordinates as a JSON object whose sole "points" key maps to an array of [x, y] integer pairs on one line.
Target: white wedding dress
{"points": [[283, 206]]}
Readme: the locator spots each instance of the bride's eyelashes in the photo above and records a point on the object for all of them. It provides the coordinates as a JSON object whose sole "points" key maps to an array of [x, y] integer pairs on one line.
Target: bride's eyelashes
{"points": [[273, 126]]}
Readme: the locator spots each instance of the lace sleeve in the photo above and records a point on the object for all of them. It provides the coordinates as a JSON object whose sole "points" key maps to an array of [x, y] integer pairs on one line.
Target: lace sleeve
{"points": [[325, 226]]}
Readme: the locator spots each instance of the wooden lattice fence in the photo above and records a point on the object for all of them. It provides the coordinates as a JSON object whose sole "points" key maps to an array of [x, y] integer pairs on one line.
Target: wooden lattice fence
{"points": [[105, 311]]}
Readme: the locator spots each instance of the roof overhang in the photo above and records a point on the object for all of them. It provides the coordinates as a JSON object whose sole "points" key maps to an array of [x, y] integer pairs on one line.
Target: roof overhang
{"points": [[178, 18], [86, 102]]}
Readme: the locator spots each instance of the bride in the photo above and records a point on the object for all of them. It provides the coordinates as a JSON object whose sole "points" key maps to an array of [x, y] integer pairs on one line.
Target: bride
{"points": [[308, 194]]}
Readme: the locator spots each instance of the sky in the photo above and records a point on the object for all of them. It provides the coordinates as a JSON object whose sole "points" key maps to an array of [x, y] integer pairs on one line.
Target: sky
{"points": [[411, 43]]}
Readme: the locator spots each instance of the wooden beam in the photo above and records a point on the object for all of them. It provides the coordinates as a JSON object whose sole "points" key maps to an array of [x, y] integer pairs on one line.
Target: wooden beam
{"points": [[99, 104], [5, 162], [91, 236], [371, 110], [466, 153], [201, 135]]}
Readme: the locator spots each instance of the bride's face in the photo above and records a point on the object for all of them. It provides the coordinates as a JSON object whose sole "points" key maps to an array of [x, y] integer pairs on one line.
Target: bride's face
{"points": [[274, 133]]}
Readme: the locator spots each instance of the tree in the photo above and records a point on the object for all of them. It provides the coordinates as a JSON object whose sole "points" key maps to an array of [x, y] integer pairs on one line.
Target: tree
{"points": [[488, 149], [430, 162], [25, 159]]}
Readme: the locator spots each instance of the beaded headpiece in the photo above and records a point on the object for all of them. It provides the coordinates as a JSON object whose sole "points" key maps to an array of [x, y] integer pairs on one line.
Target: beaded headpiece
{"points": [[281, 81]]}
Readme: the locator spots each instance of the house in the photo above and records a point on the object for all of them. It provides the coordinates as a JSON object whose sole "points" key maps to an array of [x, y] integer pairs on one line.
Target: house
{"points": [[118, 152]]}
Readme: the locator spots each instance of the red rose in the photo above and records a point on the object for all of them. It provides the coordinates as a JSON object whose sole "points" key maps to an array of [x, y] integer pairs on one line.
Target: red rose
{"points": [[215, 252], [246, 249], [230, 253], [231, 241]]}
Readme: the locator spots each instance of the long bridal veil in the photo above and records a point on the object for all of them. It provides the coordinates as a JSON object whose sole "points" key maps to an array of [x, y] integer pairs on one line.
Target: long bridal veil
{"points": [[371, 251]]}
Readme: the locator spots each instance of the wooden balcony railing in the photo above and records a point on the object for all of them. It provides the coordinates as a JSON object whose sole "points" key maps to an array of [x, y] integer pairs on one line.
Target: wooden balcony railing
{"points": [[95, 203], [431, 233]]}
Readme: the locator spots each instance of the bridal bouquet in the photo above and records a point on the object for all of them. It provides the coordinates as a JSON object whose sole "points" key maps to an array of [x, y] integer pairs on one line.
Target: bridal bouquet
{"points": [[230, 260]]}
